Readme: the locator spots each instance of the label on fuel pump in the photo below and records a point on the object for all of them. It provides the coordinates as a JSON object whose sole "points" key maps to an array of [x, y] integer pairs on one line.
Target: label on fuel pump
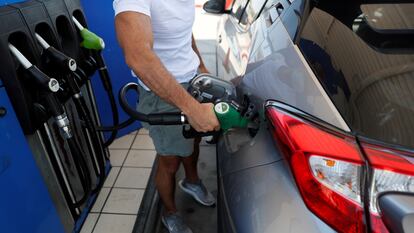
{"points": [[222, 108], [54, 85]]}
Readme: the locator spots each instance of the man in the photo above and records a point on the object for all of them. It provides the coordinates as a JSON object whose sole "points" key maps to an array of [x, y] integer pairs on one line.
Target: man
{"points": [[156, 37]]}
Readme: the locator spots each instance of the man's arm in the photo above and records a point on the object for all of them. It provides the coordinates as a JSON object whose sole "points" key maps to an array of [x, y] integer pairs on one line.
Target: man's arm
{"points": [[201, 67], [135, 38]]}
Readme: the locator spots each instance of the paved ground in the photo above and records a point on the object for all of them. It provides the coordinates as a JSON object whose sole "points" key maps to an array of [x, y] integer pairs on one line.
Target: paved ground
{"points": [[132, 157], [201, 219]]}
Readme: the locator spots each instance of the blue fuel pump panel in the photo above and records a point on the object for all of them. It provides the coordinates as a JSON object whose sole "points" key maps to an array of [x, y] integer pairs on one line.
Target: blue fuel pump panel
{"points": [[25, 204]]}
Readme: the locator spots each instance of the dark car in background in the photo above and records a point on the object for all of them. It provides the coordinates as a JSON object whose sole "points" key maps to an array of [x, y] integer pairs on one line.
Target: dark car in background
{"points": [[334, 85]]}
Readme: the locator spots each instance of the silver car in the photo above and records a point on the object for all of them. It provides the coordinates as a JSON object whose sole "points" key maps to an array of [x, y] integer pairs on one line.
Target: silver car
{"points": [[334, 85]]}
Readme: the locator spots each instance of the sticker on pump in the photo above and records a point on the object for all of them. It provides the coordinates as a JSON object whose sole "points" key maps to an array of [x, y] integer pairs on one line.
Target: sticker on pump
{"points": [[221, 108], [54, 85]]}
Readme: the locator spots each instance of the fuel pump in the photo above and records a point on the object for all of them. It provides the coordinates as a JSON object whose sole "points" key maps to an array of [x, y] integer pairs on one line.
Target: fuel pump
{"points": [[48, 88], [65, 67]]}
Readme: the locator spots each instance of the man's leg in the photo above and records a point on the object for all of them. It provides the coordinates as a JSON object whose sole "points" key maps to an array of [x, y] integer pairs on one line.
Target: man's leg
{"points": [[190, 163], [192, 183], [165, 181]]}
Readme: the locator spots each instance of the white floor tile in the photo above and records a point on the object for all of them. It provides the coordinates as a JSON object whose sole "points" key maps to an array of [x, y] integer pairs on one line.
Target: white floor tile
{"points": [[123, 201], [143, 131], [110, 180], [130, 177], [140, 158], [112, 223], [100, 201], [118, 157], [123, 142], [134, 132], [143, 142], [89, 223]]}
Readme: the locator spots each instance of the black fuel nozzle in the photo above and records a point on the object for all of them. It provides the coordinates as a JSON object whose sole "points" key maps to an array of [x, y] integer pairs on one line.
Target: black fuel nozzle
{"points": [[48, 87], [42, 80], [89, 66], [38, 77], [62, 62]]}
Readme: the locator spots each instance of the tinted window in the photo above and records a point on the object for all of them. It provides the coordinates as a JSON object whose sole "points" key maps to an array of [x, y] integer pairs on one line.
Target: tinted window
{"points": [[368, 73]]}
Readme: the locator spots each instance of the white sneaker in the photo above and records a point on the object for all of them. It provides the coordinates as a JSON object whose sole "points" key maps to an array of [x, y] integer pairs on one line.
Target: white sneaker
{"points": [[198, 191], [175, 224]]}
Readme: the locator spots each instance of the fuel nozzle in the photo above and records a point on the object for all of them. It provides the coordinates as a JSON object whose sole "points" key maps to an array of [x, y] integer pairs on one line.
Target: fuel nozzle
{"points": [[229, 117], [90, 39], [41, 79], [48, 86], [57, 58], [60, 62]]}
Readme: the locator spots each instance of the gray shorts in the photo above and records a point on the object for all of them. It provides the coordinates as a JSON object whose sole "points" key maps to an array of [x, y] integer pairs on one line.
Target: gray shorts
{"points": [[168, 139]]}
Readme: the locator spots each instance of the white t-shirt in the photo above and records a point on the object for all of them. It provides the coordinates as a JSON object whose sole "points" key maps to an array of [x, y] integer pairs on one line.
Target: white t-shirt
{"points": [[172, 22]]}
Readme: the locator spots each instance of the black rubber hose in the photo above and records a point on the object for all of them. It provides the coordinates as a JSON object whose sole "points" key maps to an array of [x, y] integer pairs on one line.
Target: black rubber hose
{"points": [[96, 142], [82, 168], [117, 127], [169, 118], [115, 119], [106, 81], [85, 115]]}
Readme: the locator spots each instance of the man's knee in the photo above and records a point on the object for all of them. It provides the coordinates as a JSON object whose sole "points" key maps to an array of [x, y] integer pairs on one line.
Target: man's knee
{"points": [[169, 164]]}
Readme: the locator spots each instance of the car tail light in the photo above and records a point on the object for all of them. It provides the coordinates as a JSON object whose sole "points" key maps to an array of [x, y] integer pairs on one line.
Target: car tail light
{"points": [[327, 166], [392, 171]]}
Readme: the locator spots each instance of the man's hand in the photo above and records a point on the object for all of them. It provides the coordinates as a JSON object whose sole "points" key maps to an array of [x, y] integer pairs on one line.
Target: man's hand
{"points": [[202, 118]]}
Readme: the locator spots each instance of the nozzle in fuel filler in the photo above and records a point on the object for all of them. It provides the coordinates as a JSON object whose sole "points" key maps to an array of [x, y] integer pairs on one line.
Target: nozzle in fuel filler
{"points": [[229, 117]]}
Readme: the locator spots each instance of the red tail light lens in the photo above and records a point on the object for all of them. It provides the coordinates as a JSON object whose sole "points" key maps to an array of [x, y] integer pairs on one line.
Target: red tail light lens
{"points": [[392, 171], [327, 167]]}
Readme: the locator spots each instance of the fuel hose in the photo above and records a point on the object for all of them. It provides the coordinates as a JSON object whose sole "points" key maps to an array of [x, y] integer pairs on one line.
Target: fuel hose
{"points": [[82, 169], [95, 44]]}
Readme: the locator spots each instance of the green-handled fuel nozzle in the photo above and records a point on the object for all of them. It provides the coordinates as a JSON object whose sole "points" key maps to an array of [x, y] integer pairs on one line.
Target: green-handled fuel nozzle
{"points": [[229, 117], [90, 40]]}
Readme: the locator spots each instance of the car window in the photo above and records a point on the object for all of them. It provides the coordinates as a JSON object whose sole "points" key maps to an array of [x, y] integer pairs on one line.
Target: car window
{"points": [[363, 55]]}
